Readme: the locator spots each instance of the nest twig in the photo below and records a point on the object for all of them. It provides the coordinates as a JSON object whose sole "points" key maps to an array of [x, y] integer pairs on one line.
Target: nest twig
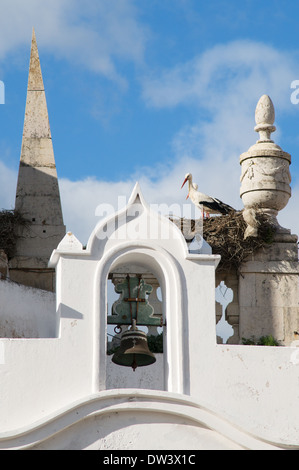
{"points": [[225, 235], [10, 220]]}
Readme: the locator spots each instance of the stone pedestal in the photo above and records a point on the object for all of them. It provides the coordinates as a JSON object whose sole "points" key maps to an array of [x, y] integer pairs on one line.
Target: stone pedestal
{"points": [[269, 292]]}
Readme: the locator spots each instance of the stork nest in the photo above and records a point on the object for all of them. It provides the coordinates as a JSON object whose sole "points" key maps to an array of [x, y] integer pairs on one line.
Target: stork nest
{"points": [[10, 221], [225, 235]]}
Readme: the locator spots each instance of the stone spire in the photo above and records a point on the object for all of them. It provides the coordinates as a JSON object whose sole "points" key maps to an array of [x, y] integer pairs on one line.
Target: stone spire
{"points": [[37, 196]]}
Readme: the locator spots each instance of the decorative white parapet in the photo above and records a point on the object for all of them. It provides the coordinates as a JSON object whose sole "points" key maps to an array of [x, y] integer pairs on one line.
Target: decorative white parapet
{"points": [[60, 391], [265, 178]]}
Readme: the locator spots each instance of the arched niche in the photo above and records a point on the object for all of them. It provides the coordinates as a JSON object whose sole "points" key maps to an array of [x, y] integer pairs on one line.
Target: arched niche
{"points": [[135, 281], [160, 263]]}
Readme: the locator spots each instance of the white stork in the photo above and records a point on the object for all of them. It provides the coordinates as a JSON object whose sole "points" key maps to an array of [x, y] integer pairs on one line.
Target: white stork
{"points": [[210, 205]]}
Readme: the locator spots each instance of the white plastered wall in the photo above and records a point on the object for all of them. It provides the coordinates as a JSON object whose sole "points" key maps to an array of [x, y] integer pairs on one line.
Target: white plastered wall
{"points": [[52, 384]]}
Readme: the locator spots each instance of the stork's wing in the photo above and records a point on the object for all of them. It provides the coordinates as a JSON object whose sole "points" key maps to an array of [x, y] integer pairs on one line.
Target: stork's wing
{"points": [[224, 206], [217, 205]]}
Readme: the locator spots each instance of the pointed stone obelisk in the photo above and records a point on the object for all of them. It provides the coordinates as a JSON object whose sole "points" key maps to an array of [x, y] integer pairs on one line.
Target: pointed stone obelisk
{"points": [[37, 196]]}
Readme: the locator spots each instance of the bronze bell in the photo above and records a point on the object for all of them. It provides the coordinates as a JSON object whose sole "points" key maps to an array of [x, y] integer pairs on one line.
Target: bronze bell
{"points": [[133, 351]]}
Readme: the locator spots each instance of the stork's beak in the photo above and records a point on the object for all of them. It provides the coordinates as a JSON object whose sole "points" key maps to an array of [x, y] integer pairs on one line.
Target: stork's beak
{"points": [[184, 182], [187, 196]]}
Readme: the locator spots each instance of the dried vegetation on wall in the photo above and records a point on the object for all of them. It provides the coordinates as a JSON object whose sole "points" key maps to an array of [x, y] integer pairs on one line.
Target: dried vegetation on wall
{"points": [[10, 221]]}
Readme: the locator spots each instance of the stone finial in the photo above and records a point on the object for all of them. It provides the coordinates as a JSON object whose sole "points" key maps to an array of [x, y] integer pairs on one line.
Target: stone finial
{"points": [[264, 118], [70, 243], [265, 179]]}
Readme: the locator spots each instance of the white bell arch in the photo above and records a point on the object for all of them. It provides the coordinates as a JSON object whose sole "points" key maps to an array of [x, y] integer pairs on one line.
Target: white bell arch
{"points": [[167, 272]]}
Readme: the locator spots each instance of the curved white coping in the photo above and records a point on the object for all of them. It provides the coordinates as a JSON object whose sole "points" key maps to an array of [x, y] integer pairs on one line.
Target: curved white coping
{"points": [[124, 400]]}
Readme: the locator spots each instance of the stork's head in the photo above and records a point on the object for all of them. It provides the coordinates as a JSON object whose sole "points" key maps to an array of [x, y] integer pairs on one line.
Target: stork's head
{"points": [[188, 177]]}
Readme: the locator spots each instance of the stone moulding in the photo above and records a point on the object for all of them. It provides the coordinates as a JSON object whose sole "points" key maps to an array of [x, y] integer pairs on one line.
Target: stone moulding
{"points": [[153, 403]]}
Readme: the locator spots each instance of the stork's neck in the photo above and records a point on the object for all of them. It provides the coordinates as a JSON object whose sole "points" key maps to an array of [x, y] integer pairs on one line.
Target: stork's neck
{"points": [[191, 188]]}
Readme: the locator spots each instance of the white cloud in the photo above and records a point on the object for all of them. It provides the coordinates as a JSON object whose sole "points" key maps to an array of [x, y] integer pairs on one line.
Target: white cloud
{"points": [[225, 84], [84, 32], [221, 74], [80, 200]]}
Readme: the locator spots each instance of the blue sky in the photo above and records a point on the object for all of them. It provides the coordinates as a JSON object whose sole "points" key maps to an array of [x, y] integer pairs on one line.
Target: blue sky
{"points": [[148, 91]]}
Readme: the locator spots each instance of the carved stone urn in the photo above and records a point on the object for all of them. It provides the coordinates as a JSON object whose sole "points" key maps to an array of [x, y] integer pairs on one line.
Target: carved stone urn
{"points": [[265, 177]]}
